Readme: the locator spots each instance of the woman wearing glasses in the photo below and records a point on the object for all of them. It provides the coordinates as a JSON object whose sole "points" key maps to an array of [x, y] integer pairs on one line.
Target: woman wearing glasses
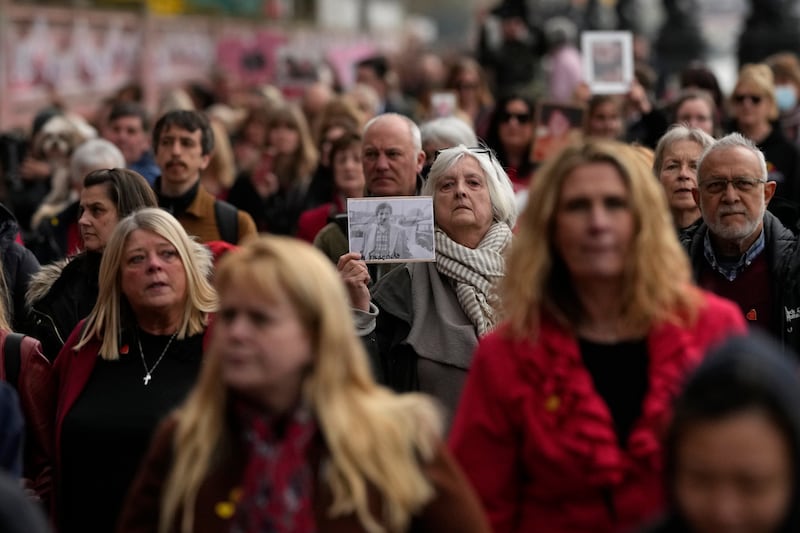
{"points": [[559, 424], [425, 318], [511, 137], [755, 112]]}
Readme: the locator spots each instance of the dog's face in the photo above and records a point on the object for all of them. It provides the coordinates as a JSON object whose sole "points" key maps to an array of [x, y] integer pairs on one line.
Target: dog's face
{"points": [[58, 138]]}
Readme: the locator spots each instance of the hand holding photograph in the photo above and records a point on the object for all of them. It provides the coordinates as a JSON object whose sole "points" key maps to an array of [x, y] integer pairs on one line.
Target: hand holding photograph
{"points": [[391, 230]]}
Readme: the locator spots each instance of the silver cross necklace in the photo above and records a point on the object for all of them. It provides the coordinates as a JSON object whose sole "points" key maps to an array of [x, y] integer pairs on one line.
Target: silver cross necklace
{"points": [[149, 371]]}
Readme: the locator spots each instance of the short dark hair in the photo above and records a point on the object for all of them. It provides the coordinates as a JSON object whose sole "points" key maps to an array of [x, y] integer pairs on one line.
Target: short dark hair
{"points": [[378, 64], [129, 109], [344, 142], [744, 374], [190, 121], [128, 190], [384, 206]]}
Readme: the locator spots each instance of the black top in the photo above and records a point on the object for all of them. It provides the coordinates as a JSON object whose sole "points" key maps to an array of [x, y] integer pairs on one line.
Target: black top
{"points": [[107, 432], [620, 375]]}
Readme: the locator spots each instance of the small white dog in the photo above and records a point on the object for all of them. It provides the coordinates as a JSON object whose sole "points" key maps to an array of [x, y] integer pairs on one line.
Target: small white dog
{"points": [[55, 143]]}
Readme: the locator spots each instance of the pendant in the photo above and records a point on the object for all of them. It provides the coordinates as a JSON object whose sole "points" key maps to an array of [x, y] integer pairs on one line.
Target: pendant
{"points": [[147, 378]]}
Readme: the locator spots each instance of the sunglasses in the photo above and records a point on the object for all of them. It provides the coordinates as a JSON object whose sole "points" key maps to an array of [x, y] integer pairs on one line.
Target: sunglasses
{"points": [[522, 118], [740, 98]]}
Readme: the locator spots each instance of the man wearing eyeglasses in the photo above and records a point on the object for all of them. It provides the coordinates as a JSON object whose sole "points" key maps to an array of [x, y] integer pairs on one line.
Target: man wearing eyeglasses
{"points": [[741, 251]]}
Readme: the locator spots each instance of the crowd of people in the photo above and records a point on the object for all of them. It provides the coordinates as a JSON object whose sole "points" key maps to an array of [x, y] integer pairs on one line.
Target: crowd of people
{"points": [[605, 340]]}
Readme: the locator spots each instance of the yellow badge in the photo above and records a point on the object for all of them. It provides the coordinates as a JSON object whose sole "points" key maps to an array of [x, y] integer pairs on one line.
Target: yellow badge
{"points": [[552, 403], [224, 510]]}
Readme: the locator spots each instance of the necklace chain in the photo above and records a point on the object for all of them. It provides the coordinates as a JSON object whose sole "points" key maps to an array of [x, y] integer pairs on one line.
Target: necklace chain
{"points": [[149, 371]]}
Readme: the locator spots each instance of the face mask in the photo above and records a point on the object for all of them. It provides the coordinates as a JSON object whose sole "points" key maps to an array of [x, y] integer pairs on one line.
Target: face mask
{"points": [[785, 97]]}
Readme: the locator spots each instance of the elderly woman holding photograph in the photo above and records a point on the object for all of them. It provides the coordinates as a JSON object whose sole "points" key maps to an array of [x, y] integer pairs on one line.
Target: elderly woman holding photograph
{"points": [[286, 431], [425, 318], [560, 421], [128, 364]]}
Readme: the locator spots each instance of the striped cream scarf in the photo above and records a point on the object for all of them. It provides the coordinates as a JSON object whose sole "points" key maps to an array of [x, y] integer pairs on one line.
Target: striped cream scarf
{"points": [[475, 272]]}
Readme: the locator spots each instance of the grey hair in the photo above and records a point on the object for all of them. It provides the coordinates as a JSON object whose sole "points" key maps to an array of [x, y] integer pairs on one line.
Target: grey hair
{"points": [[94, 154], [501, 192], [677, 133], [733, 140], [413, 129], [448, 131], [559, 30]]}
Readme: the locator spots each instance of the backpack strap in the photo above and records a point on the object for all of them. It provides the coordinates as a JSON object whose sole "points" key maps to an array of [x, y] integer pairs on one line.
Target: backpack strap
{"points": [[227, 221], [12, 357]]}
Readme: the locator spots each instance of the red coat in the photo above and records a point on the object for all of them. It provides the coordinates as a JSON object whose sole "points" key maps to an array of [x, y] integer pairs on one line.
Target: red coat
{"points": [[34, 387], [538, 442], [71, 371], [312, 220]]}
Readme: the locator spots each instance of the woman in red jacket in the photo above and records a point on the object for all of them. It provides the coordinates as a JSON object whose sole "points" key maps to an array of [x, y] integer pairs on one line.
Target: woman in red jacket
{"points": [[559, 423]]}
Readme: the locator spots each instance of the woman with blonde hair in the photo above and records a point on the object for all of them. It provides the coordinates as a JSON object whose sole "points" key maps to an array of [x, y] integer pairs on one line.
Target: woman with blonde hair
{"points": [[128, 364], [755, 114], [274, 192], [286, 429], [559, 423]]}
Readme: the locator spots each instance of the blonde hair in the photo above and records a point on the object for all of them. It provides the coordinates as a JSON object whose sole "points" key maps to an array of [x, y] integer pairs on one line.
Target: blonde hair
{"points": [[657, 273], [341, 112], [221, 167], [760, 75], [105, 320], [6, 302], [298, 167], [375, 437]]}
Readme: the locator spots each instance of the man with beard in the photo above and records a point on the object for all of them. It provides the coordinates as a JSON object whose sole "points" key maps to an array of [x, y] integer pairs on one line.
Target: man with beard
{"points": [[741, 251], [183, 142]]}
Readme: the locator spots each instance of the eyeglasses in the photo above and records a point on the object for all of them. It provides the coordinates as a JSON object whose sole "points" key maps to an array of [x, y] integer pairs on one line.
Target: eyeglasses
{"points": [[740, 98], [522, 118], [740, 184]]}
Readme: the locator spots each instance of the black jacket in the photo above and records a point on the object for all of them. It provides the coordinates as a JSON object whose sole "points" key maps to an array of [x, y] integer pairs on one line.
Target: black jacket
{"points": [[60, 296], [784, 264], [394, 362], [48, 241], [19, 264]]}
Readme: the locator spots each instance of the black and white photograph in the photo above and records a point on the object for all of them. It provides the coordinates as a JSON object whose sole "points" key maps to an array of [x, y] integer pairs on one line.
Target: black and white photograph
{"points": [[608, 61], [391, 230]]}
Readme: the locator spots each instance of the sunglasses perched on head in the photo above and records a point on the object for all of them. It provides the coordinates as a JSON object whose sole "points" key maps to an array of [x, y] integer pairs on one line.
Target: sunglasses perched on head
{"points": [[740, 98], [522, 118], [483, 150]]}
